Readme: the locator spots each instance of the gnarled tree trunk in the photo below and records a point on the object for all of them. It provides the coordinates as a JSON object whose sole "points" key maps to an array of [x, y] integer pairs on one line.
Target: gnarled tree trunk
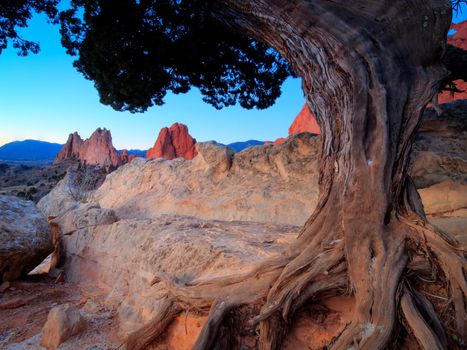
{"points": [[368, 70]]}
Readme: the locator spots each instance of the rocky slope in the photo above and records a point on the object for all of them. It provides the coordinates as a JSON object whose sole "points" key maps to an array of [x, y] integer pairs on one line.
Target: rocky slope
{"points": [[264, 184], [267, 184], [96, 150], [141, 221], [173, 142], [439, 167]]}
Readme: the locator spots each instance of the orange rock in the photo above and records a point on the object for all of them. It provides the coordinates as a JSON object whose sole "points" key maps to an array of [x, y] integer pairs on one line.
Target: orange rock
{"points": [[279, 141], [63, 322], [459, 39], [448, 96], [184, 331], [173, 142], [305, 121]]}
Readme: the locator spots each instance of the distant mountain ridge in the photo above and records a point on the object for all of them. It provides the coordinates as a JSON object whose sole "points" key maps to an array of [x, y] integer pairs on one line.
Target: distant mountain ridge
{"points": [[241, 145], [29, 150], [36, 150], [136, 152]]}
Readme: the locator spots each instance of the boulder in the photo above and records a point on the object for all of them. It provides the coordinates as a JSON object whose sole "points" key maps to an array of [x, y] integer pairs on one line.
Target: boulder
{"points": [[25, 238], [73, 189], [214, 156], [446, 197], [173, 142], [63, 322]]}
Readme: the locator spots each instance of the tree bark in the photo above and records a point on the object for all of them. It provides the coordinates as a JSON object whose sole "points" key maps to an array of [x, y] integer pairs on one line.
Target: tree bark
{"points": [[368, 69]]}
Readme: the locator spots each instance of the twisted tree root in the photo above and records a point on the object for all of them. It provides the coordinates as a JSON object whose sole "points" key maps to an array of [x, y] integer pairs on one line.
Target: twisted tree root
{"points": [[324, 269]]}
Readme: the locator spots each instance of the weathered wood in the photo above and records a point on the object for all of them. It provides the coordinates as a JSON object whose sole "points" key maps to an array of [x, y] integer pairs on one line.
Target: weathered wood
{"points": [[368, 69]]}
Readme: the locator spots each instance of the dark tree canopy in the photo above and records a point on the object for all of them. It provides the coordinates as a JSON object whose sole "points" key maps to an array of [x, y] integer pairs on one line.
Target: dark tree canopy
{"points": [[137, 51], [368, 69], [15, 14]]}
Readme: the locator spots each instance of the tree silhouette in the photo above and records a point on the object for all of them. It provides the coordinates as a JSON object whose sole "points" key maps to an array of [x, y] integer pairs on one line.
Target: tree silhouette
{"points": [[15, 14], [368, 69]]}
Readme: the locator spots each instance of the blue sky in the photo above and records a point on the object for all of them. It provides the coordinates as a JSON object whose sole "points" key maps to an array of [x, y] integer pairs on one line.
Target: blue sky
{"points": [[43, 97]]}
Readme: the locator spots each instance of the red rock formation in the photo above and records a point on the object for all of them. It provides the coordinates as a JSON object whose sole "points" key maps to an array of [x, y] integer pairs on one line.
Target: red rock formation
{"points": [[97, 150], [173, 142], [125, 157], [459, 39], [71, 148], [305, 121]]}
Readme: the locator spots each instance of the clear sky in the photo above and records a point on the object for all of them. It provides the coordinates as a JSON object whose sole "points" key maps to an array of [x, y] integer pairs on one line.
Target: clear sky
{"points": [[43, 97]]}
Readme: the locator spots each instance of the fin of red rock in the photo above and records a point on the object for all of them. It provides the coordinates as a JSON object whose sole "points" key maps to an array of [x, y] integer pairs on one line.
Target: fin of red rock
{"points": [[173, 142]]}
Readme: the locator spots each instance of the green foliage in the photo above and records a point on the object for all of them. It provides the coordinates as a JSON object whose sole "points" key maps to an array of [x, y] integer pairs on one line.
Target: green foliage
{"points": [[137, 51], [14, 14]]}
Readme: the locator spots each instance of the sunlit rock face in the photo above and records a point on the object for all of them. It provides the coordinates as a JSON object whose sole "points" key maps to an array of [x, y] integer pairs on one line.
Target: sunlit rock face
{"points": [[97, 150], [266, 184], [173, 142], [459, 38], [305, 121]]}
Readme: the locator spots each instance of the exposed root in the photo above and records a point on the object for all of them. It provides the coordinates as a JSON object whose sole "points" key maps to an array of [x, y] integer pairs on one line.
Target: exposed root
{"points": [[209, 333], [144, 336], [444, 250], [425, 335], [297, 276], [324, 270]]}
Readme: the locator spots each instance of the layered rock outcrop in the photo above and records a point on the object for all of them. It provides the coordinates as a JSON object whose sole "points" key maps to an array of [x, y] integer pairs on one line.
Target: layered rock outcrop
{"points": [[266, 184], [96, 150], [270, 184], [173, 142], [439, 168], [25, 238]]}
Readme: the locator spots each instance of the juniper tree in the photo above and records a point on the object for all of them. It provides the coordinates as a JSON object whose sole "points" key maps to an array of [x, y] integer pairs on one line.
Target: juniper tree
{"points": [[368, 70]]}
